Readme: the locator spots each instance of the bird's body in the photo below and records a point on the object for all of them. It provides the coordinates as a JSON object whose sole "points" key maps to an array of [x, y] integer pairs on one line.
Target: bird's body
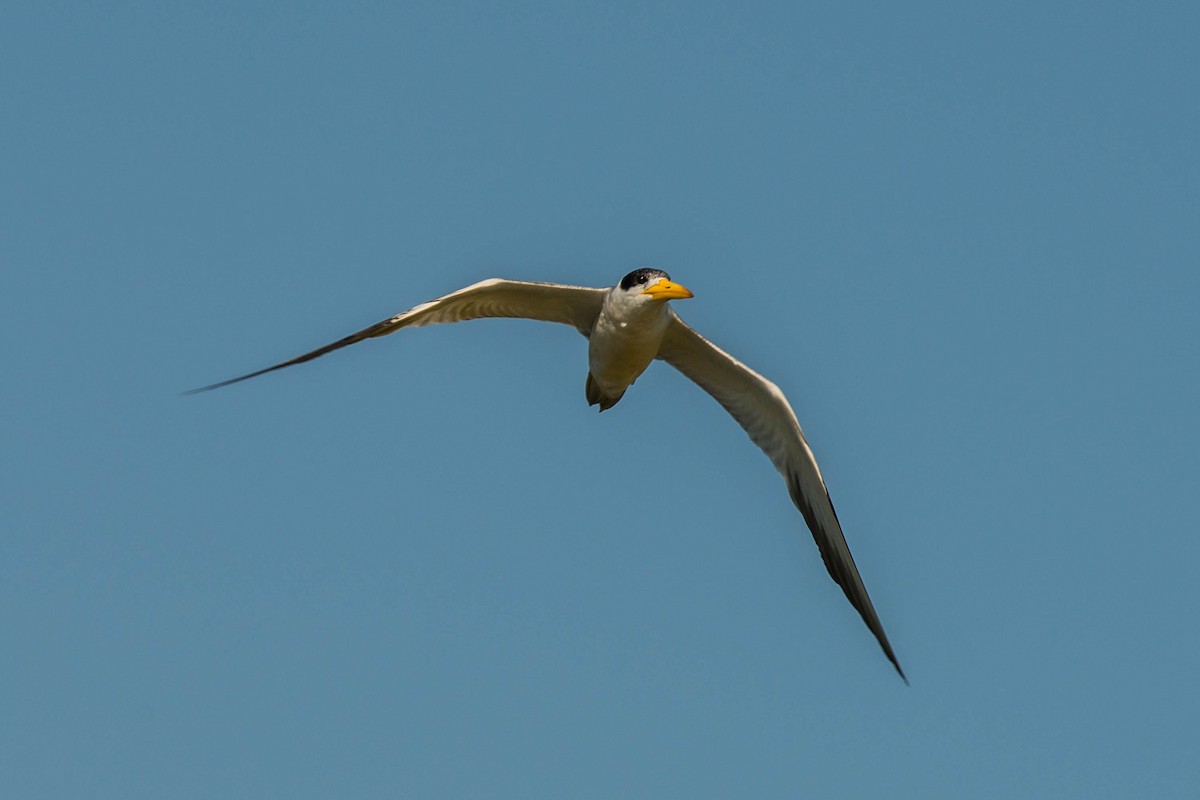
{"points": [[625, 339], [628, 326]]}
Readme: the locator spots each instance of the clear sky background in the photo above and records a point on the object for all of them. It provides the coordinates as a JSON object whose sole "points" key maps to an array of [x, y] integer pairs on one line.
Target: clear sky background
{"points": [[964, 239]]}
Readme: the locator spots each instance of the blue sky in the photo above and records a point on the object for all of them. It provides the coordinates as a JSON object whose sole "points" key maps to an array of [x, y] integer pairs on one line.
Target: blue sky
{"points": [[963, 239]]}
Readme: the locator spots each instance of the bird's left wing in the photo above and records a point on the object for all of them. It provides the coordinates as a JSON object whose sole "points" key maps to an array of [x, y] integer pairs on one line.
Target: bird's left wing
{"points": [[762, 410], [577, 306]]}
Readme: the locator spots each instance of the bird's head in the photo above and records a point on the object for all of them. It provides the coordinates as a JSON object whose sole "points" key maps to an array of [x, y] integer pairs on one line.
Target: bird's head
{"points": [[654, 285]]}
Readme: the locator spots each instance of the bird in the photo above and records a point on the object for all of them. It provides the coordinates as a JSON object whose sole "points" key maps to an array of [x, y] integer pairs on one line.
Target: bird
{"points": [[628, 326]]}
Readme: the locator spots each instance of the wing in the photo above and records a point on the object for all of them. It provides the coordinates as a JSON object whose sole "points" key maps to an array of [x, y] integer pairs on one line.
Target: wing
{"points": [[761, 409], [577, 306]]}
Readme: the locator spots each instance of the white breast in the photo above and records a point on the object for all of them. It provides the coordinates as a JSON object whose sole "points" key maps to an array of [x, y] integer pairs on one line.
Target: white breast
{"points": [[623, 342]]}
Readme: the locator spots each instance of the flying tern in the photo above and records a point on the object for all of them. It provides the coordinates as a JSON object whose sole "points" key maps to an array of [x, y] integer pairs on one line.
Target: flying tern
{"points": [[628, 326]]}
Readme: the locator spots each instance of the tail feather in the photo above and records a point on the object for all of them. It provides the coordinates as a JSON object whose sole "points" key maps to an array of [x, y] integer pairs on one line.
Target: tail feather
{"points": [[596, 397]]}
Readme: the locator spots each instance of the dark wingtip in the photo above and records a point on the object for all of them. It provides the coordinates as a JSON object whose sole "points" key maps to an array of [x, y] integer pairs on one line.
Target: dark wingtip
{"points": [[210, 387], [881, 637], [844, 573], [891, 656], [238, 379]]}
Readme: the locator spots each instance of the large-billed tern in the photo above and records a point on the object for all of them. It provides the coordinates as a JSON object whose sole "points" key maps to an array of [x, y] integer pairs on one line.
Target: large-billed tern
{"points": [[628, 326]]}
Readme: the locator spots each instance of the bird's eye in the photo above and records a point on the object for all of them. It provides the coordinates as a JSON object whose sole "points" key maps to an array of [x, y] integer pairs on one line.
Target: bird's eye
{"points": [[641, 279]]}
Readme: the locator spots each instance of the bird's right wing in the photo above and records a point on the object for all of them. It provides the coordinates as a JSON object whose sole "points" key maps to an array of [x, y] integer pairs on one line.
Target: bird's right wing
{"points": [[577, 306], [762, 410]]}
